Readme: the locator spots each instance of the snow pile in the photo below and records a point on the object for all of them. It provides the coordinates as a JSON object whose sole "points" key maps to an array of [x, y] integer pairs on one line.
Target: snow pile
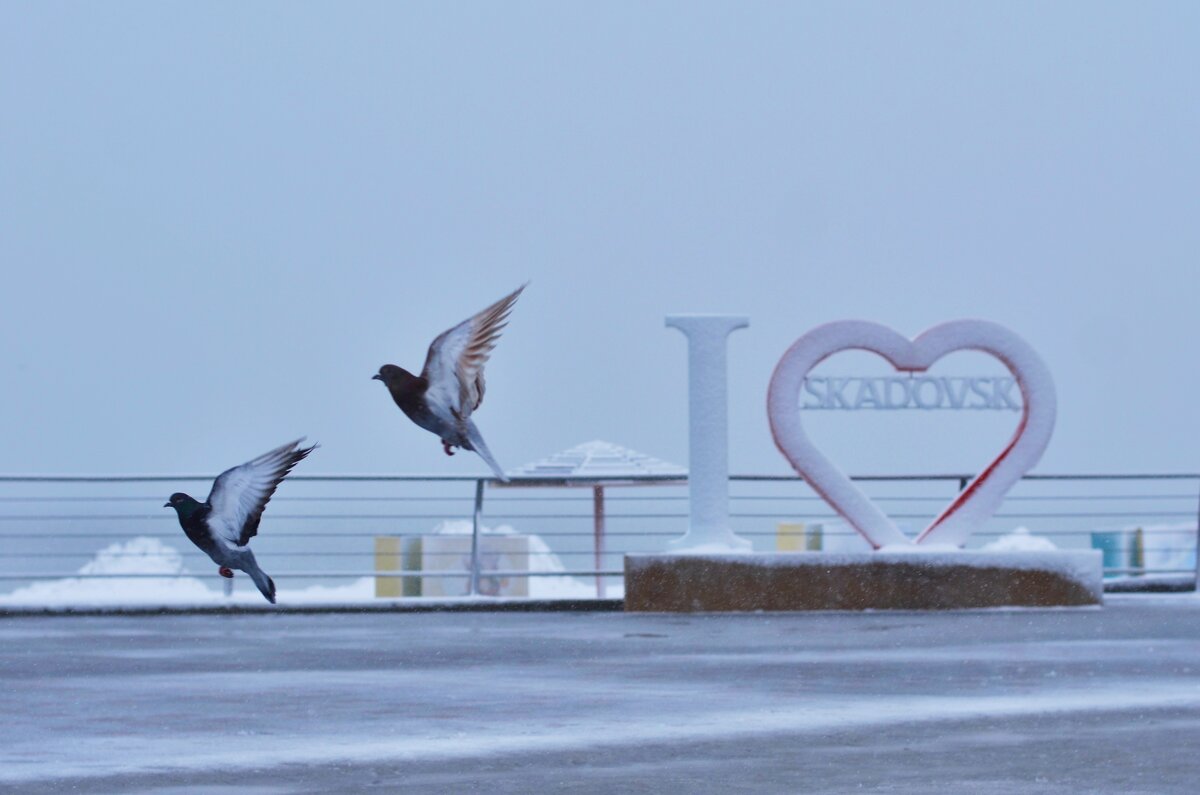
{"points": [[141, 556], [541, 559], [1020, 540]]}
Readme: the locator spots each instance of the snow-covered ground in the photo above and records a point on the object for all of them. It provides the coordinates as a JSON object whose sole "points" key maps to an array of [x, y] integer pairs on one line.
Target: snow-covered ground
{"points": [[1085, 700]]}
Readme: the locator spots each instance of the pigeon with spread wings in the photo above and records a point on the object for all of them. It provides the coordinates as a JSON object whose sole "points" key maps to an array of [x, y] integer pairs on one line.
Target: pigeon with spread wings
{"points": [[450, 387], [223, 525]]}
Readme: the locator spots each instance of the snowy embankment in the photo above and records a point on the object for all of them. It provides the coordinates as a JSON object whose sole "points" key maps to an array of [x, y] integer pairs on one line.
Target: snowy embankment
{"points": [[124, 575], [1020, 540]]}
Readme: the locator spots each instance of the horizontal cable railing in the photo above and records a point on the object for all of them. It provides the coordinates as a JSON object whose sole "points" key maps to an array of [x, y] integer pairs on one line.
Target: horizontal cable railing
{"points": [[358, 537]]}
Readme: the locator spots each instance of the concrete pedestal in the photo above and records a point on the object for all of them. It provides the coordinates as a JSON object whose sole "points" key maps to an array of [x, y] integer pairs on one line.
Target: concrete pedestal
{"points": [[753, 581]]}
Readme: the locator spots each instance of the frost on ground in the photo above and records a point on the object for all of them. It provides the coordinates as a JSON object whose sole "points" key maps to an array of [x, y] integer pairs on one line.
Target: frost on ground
{"points": [[912, 702], [143, 557]]}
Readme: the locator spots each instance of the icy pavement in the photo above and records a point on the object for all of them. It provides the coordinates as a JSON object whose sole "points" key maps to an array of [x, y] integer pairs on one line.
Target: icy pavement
{"points": [[1090, 700]]}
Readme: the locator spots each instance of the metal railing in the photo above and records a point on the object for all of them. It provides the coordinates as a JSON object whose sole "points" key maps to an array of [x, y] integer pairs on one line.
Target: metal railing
{"points": [[320, 529]]}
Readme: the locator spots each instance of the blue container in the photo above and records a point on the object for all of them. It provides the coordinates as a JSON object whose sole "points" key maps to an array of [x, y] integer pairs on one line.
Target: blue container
{"points": [[1112, 545]]}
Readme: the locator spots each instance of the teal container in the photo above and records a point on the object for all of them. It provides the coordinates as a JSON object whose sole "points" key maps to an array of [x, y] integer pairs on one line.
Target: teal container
{"points": [[1112, 545]]}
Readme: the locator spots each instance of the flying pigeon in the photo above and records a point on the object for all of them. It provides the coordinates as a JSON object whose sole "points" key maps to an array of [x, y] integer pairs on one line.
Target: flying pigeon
{"points": [[451, 385], [223, 525]]}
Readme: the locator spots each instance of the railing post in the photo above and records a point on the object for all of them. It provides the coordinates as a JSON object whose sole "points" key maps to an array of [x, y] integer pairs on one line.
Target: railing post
{"points": [[475, 526], [1196, 583], [598, 531]]}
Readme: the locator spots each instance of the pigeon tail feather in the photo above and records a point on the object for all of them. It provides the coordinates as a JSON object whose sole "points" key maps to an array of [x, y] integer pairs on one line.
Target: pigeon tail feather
{"points": [[480, 447], [266, 585]]}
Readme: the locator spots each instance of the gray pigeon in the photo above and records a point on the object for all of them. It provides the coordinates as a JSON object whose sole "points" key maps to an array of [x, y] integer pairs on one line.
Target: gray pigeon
{"points": [[451, 385], [223, 525]]}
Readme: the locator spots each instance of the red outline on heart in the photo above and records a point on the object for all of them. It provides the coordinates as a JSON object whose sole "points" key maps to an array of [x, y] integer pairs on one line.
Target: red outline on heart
{"points": [[983, 495]]}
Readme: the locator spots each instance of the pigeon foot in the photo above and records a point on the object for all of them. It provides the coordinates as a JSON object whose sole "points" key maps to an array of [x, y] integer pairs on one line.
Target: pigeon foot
{"points": [[226, 572], [446, 447]]}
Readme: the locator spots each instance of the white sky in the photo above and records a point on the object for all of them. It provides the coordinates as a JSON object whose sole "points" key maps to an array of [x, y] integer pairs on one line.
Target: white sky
{"points": [[218, 220]]}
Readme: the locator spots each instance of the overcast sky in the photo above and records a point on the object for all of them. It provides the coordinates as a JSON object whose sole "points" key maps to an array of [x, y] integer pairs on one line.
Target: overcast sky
{"points": [[218, 219]]}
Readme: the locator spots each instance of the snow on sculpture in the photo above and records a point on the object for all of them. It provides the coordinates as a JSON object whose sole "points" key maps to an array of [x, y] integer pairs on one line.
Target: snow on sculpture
{"points": [[708, 432], [983, 495]]}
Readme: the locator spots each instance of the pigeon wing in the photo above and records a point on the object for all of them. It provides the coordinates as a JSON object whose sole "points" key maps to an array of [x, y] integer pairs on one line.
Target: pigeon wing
{"points": [[240, 494], [454, 364]]}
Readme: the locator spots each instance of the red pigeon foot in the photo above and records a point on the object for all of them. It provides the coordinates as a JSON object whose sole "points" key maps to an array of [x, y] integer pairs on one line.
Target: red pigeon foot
{"points": [[225, 571], [446, 447]]}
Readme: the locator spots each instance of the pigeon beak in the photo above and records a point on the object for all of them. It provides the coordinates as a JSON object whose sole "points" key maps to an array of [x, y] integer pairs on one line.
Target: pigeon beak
{"points": [[376, 377], [166, 505]]}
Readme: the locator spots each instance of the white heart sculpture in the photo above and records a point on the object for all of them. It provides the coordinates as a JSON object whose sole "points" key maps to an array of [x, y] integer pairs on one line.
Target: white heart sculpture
{"points": [[983, 495]]}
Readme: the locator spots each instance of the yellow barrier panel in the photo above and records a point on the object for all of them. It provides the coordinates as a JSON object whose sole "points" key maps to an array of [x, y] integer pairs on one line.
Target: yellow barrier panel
{"points": [[388, 557], [789, 536], [797, 537]]}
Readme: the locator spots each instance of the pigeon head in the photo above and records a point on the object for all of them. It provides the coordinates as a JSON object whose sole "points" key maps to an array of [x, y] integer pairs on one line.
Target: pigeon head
{"points": [[184, 505], [391, 375]]}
